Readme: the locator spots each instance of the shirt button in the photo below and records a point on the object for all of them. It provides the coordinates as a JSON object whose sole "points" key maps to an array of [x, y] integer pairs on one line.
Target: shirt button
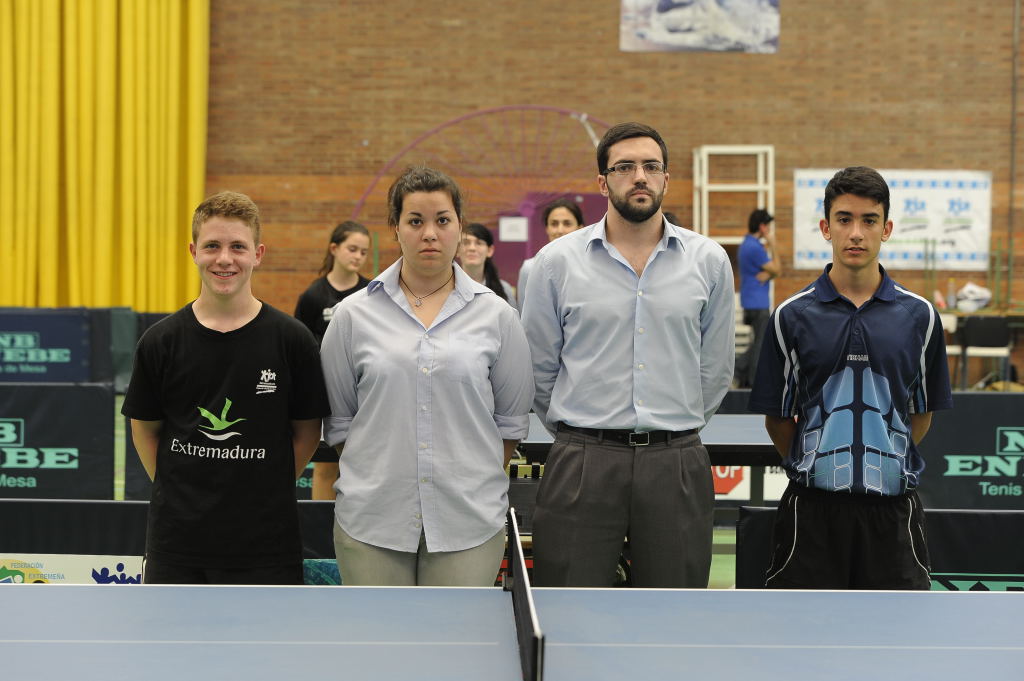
{"points": [[424, 479], [640, 402], [639, 293], [640, 366], [423, 445], [423, 407], [424, 370], [418, 516], [640, 330]]}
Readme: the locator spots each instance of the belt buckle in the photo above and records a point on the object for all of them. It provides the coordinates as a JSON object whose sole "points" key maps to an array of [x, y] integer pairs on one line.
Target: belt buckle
{"points": [[639, 439]]}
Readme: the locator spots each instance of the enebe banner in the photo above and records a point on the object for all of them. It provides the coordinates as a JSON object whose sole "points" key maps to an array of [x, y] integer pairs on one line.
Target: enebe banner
{"points": [[942, 219], [57, 440], [974, 454]]}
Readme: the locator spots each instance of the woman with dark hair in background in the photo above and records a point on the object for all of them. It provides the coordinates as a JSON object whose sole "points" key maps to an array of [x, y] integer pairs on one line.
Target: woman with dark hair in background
{"points": [[339, 278], [561, 216], [475, 253]]}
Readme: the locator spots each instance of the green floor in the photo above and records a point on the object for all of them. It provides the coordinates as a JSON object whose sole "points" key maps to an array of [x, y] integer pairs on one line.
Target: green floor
{"points": [[118, 449], [723, 560]]}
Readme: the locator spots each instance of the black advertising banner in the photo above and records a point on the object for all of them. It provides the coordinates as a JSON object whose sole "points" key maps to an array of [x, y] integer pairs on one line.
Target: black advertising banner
{"points": [[45, 345], [969, 550], [57, 440], [118, 528], [974, 453]]}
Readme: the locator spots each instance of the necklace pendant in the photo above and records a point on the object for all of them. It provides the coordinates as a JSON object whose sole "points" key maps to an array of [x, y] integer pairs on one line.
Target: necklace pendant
{"points": [[419, 302]]}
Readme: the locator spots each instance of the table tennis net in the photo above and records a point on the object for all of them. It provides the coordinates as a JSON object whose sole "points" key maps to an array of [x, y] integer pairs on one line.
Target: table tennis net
{"points": [[531, 639]]}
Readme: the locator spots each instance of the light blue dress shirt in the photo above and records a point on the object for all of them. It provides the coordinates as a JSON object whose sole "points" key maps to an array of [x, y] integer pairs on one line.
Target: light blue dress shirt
{"points": [[423, 413], [524, 276], [614, 350]]}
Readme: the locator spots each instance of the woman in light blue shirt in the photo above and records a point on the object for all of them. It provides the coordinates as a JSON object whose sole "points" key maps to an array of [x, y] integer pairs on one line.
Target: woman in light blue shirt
{"points": [[429, 378]]}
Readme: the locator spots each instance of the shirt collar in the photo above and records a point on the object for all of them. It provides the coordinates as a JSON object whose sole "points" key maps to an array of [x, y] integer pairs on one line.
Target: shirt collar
{"points": [[669, 233], [826, 292], [387, 280]]}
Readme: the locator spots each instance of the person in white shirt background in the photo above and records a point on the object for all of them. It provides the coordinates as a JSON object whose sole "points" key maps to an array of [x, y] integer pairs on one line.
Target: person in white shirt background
{"points": [[561, 217]]}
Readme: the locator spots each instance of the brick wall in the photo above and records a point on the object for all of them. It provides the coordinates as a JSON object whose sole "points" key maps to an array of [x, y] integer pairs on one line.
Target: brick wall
{"points": [[310, 99]]}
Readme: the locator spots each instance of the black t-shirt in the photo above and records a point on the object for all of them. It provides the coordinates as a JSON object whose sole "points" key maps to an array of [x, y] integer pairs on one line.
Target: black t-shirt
{"points": [[224, 493], [317, 302]]}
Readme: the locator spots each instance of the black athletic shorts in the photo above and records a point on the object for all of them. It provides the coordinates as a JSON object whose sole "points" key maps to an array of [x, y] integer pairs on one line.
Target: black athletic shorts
{"points": [[830, 540], [162, 572], [325, 454]]}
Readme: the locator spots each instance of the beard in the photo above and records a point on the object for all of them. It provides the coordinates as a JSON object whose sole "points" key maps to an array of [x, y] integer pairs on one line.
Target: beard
{"points": [[636, 213]]}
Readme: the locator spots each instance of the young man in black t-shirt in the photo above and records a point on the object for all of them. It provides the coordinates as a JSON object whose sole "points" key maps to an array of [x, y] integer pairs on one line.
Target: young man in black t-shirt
{"points": [[226, 400]]}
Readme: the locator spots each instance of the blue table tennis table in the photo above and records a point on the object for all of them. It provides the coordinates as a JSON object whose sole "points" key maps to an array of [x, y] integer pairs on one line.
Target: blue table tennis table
{"points": [[187, 633], [595, 634]]}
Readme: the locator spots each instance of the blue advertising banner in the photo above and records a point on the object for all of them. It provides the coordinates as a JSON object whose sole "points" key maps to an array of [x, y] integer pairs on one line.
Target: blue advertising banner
{"points": [[57, 441], [45, 345]]}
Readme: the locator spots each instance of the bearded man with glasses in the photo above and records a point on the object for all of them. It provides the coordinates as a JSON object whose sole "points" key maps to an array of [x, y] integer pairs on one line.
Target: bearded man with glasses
{"points": [[630, 323]]}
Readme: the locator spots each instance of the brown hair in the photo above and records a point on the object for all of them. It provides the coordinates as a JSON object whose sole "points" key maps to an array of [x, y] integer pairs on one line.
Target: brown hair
{"points": [[340, 233]]}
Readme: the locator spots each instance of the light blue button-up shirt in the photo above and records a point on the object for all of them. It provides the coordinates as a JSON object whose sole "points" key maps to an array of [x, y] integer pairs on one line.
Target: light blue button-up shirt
{"points": [[423, 413], [615, 350]]}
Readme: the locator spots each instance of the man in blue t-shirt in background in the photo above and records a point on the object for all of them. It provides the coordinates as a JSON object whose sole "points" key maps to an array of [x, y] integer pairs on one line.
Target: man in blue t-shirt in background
{"points": [[849, 375], [757, 267]]}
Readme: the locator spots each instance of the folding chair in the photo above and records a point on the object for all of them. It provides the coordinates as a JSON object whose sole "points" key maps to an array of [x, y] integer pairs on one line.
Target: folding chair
{"points": [[988, 337]]}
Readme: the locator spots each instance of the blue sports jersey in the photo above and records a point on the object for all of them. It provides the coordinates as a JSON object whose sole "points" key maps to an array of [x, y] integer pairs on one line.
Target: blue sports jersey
{"points": [[852, 377], [751, 257]]}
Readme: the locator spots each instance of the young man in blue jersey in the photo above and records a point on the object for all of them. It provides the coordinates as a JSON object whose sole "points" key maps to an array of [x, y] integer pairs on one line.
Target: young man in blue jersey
{"points": [[851, 369]]}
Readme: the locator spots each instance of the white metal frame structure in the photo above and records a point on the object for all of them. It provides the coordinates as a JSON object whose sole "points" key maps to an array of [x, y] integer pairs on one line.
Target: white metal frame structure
{"points": [[703, 188]]}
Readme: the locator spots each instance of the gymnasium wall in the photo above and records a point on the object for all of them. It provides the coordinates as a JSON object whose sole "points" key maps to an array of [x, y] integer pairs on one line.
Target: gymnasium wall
{"points": [[309, 99]]}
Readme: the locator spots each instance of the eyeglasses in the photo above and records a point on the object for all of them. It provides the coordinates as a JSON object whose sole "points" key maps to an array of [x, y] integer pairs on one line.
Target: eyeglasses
{"points": [[628, 168]]}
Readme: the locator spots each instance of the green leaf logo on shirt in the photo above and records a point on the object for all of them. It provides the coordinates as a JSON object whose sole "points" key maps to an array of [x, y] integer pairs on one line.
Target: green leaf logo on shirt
{"points": [[218, 423]]}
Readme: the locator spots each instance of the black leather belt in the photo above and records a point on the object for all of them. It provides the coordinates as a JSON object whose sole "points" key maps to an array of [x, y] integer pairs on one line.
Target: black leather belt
{"points": [[628, 437]]}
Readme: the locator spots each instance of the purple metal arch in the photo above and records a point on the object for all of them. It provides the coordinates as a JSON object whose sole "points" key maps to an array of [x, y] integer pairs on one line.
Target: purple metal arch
{"points": [[430, 133]]}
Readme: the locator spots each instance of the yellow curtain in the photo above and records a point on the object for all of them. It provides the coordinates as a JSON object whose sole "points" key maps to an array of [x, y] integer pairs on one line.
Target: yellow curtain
{"points": [[102, 150]]}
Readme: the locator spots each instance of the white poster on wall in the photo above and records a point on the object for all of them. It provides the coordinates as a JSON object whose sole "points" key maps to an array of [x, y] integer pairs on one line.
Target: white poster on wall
{"points": [[942, 219], [699, 26]]}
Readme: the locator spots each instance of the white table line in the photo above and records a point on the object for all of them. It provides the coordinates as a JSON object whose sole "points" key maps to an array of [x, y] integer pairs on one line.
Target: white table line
{"points": [[247, 643], [770, 646]]}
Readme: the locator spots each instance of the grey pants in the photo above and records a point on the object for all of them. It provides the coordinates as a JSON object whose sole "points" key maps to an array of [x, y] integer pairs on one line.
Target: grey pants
{"points": [[362, 564], [594, 493]]}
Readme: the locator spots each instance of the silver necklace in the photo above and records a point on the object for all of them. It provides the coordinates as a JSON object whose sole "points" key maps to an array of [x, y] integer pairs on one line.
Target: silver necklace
{"points": [[419, 299]]}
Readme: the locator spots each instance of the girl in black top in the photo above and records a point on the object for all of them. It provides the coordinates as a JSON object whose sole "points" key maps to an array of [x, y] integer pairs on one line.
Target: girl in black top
{"points": [[339, 277]]}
